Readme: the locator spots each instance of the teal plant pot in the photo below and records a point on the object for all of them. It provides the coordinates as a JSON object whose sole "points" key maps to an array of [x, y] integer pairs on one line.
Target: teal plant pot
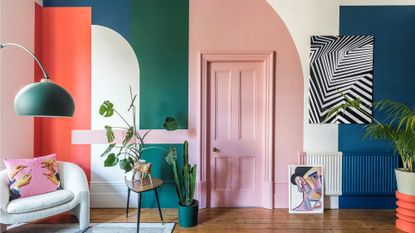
{"points": [[188, 214]]}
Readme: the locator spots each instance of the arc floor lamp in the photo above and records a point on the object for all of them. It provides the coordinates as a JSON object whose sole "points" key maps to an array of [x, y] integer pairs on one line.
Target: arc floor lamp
{"points": [[44, 98]]}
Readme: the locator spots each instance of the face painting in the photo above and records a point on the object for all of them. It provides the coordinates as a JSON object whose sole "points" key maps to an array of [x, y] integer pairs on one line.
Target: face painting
{"points": [[310, 185], [313, 181]]}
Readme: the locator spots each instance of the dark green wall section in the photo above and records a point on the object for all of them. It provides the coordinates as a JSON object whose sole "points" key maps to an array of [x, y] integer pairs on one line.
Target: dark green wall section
{"points": [[159, 36], [161, 169]]}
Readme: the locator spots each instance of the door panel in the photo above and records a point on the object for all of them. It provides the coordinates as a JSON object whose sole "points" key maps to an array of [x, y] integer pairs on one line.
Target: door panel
{"points": [[223, 168], [236, 99], [223, 107]]}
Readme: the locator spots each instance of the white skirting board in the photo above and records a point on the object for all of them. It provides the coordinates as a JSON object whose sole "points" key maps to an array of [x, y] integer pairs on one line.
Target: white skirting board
{"points": [[114, 195], [331, 202], [110, 195]]}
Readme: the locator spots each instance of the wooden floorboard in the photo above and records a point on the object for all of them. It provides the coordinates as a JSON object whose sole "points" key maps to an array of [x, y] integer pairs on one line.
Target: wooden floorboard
{"points": [[256, 220]]}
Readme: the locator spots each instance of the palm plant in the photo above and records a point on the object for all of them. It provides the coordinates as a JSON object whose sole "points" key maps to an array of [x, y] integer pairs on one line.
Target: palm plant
{"points": [[398, 127]]}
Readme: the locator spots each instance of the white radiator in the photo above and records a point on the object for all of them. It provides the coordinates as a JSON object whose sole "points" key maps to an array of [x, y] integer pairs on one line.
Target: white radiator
{"points": [[332, 169]]}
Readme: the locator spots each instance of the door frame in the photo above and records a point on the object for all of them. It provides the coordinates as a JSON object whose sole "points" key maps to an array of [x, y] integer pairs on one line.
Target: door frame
{"points": [[268, 57]]}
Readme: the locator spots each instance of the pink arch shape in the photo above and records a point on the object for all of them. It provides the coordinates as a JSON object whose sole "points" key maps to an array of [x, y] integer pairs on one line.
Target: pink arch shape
{"points": [[251, 25]]}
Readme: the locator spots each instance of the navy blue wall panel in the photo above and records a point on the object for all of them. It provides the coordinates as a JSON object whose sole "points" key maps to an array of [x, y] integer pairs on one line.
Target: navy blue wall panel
{"points": [[394, 74], [109, 13], [368, 180]]}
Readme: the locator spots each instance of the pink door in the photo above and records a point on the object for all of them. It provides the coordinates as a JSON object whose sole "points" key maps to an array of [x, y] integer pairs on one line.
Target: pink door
{"points": [[237, 104]]}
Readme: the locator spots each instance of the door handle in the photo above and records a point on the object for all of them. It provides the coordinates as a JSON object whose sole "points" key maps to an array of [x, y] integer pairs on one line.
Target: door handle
{"points": [[214, 149]]}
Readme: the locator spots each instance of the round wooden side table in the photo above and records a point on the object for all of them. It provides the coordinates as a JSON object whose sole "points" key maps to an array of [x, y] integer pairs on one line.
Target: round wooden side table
{"points": [[136, 187]]}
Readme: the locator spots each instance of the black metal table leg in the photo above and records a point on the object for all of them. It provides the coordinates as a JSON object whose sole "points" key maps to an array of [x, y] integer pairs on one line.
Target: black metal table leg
{"points": [[138, 212], [158, 204], [128, 201]]}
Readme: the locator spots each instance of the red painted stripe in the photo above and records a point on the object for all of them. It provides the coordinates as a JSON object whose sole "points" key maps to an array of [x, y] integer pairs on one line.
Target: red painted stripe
{"points": [[38, 75], [66, 50]]}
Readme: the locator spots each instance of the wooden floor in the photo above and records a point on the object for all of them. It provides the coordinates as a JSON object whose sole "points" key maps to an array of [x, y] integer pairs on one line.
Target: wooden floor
{"points": [[255, 220]]}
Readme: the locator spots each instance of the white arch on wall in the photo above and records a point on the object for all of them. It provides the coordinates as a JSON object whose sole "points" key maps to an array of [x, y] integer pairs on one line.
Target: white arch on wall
{"points": [[114, 68]]}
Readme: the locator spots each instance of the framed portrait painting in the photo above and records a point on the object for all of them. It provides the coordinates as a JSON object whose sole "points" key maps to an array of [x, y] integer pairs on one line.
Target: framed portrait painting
{"points": [[306, 189]]}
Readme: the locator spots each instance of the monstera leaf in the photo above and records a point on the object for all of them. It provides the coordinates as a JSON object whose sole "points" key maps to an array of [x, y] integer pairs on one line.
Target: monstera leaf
{"points": [[171, 156], [110, 133], [128, 135], [170, 124], [108, 150], [126, 164], [111, 160], [106, 109]]}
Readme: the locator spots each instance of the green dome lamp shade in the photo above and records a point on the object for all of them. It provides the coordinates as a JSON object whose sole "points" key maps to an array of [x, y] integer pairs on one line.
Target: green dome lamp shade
{"points": [[44, 98]]}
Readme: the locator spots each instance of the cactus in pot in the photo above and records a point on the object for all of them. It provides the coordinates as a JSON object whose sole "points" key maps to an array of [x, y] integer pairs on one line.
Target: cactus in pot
{"points": [[185, 180]]}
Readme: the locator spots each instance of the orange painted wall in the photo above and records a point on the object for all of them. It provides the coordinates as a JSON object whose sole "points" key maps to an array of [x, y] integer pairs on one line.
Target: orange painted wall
{"points": [[66, 52]]}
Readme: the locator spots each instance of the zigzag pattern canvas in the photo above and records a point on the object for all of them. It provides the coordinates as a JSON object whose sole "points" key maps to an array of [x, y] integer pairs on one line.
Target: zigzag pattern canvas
{"points": [[341, 67]]}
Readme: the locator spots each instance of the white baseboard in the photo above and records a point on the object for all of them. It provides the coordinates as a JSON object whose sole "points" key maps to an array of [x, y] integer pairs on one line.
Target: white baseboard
{"points": [[110, 195], [331, 202], [114, 195]]}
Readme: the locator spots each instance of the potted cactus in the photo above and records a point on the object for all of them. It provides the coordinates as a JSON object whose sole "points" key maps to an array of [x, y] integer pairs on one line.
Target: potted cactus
{"points": [[185, 185]]}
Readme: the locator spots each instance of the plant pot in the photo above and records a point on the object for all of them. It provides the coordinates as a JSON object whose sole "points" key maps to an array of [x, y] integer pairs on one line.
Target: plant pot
{"points": [[188, 215], [405, 181]]}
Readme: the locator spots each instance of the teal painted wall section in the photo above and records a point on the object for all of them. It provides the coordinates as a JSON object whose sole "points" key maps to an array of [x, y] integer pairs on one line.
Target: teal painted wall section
{"points": [[161, 169], [394, 72], [160, 36]]}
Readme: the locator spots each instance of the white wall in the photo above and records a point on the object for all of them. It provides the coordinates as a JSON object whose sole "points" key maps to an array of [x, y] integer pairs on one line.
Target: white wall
{"points": [[303, 19], [17, 19], [317, 17], [114, 68]]}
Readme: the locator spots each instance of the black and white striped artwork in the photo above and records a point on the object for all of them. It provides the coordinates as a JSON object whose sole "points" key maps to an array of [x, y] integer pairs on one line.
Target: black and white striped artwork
{"points": [[341, 67]]}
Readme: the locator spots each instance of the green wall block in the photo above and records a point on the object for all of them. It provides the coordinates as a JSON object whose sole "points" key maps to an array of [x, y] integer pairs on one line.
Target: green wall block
{"points": [[160, 36], [161, 169]]}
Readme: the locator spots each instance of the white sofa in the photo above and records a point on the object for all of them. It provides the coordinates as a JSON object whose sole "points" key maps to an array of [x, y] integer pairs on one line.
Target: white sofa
{"points": [[74, 197]]}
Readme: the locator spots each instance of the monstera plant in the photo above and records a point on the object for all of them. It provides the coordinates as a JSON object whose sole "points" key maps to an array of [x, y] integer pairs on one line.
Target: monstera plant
{"points": [[127, 153]]}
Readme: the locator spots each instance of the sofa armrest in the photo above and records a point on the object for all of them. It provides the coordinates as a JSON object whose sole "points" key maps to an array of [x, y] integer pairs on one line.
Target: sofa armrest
{"points": [[4, 191], [73, 178]]}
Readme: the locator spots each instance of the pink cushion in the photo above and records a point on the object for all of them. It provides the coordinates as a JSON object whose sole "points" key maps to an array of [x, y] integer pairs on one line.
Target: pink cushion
{"points": [[29, 177]]}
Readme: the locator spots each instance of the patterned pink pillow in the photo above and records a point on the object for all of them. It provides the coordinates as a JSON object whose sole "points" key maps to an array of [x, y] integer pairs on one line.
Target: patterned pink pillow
{"points": [[29, 177]]}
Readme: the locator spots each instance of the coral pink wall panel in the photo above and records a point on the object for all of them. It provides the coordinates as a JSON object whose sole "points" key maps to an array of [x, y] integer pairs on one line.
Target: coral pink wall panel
{"points": [[66, 52], [252, 25]]}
